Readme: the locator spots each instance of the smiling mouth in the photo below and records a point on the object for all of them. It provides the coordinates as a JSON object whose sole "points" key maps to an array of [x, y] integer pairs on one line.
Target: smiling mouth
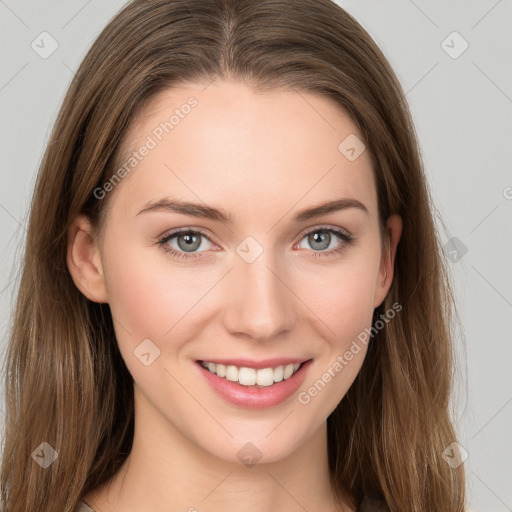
{"points": [[253, 377]]}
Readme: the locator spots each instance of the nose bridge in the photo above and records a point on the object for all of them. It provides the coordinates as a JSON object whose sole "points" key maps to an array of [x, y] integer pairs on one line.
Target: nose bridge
{"points": [[261, 305]]}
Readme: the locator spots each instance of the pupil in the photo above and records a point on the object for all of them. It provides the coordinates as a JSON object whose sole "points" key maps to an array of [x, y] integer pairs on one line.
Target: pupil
{"points": [[319, 237], [190, 241]]}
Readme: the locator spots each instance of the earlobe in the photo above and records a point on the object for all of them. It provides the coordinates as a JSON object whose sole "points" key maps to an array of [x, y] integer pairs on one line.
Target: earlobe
{"points": [[84, 260], [385, 276]]}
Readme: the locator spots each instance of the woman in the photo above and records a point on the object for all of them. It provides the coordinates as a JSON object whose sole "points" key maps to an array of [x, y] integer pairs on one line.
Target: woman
{"points": [[232, 294]]}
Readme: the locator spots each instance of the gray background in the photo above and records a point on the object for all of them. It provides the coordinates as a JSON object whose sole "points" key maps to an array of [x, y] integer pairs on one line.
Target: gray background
{"points": [[462, 109]]}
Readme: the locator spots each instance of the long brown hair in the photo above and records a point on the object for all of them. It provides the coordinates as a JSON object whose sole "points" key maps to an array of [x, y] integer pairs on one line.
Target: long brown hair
{"points": [[65, 380]]}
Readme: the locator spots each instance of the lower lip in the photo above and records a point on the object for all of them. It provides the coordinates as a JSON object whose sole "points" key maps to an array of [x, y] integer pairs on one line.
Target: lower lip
{"points": [[256, 398]]}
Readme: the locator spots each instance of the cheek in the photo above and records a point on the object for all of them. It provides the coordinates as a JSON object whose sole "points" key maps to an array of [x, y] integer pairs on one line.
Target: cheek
{"points": [[147, 296], [343, 300], [343, 297], [354, 302]]}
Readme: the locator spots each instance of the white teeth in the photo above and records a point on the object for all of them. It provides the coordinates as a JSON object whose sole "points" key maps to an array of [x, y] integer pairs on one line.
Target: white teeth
{"points": [[278, 374], [250, 376], [288, 370], [231, 373], [265, 377], [247, 376], [221, 370]]}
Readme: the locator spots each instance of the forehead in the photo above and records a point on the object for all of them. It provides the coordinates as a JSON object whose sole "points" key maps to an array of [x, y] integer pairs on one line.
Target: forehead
{"points": [[225, 143]]}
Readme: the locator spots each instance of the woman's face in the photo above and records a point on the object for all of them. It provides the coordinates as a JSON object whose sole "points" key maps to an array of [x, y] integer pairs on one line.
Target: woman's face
{"points": [[259, 280]]}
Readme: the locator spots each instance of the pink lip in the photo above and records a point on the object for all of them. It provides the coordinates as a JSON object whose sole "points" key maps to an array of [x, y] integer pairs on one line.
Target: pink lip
{"points": [[252, 363], [251, 397]]}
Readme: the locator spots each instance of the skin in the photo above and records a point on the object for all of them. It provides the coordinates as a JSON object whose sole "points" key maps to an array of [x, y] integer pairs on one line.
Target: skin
{"points": [[262, 157]]}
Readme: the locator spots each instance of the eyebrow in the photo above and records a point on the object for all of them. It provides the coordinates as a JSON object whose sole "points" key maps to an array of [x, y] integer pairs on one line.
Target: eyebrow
{"points": [[216, 214]]}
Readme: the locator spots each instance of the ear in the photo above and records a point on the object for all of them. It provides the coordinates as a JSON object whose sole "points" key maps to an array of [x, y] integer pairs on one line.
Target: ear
{"points": [[84, 260], [385, 276]]}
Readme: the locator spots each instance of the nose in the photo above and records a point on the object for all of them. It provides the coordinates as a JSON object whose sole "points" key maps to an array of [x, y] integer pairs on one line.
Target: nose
{"points": [[259, 299]]}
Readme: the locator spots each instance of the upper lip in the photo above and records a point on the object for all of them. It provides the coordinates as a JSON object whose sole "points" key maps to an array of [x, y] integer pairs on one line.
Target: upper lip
{"points": [[252, 363]]}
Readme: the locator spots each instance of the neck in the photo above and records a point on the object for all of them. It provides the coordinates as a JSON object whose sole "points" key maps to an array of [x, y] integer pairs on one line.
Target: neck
{"points": [[167, 471]]}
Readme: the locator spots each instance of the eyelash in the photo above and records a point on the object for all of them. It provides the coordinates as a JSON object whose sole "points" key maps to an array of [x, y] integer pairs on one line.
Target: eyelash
{"points": [[162, 242]]}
